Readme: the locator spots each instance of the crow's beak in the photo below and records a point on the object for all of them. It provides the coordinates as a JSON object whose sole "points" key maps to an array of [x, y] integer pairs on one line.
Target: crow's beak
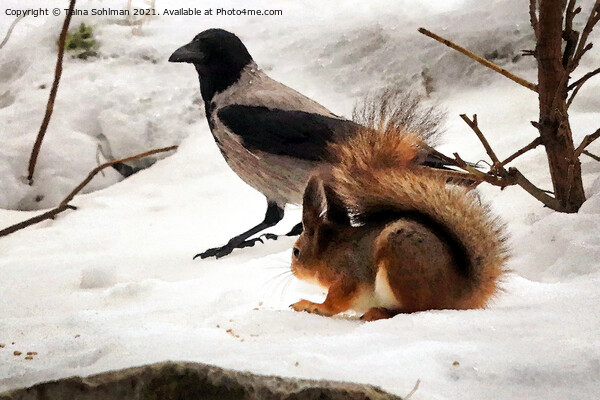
{"points": [[187, 54]]}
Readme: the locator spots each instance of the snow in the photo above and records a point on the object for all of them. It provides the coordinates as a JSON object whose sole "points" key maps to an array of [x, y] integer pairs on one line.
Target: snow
{"points": [[113, 284]]}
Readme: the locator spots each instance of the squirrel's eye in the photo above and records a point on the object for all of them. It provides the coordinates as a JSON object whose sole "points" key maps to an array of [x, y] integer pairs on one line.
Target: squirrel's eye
{"points": [[296, 252]]}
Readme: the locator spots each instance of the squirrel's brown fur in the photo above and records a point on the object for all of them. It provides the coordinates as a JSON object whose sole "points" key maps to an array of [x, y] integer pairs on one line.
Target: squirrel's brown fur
{"points": [[385, 235]]}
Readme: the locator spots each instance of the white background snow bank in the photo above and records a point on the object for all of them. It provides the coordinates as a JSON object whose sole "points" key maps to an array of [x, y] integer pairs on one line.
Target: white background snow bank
{"points": [[113, 285]]}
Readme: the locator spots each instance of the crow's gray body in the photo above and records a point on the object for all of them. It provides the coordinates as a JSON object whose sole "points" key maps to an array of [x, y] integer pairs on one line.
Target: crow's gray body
{"points": [[280, 178]]}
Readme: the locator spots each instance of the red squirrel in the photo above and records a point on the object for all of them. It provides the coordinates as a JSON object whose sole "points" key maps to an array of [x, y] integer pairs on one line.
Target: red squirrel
{"points": [[385, 235]]}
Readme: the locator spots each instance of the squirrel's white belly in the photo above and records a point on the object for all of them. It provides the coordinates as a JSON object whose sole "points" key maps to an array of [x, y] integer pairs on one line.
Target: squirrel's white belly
{"points": [[380, 295]]}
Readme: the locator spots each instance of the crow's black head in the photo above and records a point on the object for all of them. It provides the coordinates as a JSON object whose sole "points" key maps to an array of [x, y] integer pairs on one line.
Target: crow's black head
{"points": [[219, 57], [213, 47]]}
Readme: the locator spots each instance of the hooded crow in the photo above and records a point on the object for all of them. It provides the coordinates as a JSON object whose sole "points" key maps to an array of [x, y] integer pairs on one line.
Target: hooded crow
{"points": [[270, 135]]}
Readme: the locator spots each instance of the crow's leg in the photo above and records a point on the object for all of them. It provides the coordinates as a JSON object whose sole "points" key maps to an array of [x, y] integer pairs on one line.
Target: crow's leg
{"points": [[272, 217]]}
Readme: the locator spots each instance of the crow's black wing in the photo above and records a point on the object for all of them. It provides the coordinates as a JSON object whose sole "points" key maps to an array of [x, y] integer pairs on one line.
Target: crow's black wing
{"points": [[296, 134]]}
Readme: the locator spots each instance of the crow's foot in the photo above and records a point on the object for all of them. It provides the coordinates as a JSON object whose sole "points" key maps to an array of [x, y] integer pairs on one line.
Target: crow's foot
{"points": [[222, 251]]}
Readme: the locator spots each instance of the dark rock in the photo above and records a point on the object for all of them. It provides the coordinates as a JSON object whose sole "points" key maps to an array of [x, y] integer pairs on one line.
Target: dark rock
{"points": [[183, 381]]}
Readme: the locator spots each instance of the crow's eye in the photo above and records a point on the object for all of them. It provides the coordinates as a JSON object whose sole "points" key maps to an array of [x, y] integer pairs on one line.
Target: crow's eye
{"points": [[296, 252]]}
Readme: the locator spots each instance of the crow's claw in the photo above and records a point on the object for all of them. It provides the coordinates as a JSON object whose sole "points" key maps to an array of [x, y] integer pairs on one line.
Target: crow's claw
{"points": [[216, 252], [271, 236], [222, 251]]}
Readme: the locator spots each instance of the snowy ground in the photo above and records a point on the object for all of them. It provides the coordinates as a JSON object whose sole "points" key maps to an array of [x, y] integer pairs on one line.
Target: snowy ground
{"points": [[113, 284]]}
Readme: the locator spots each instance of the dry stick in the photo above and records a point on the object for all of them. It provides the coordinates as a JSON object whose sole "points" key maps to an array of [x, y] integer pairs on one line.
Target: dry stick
{"points": [[533, 18], [570, 15], [413, 391], [480, 60], [586, 142], [501, 177], [569, 35], [533, 190], [50, 106], [535, 143], [578, 84], [587, 153], [64, 204], [482, 139], [582, 47], [511, 178], [10, 29], [583, 79]]}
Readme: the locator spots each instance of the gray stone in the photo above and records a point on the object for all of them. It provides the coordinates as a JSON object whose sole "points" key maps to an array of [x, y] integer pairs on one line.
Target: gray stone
{"points": [[183, 381]]}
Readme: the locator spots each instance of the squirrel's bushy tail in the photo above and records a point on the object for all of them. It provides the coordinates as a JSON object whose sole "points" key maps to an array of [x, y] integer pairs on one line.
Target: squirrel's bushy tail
{"points": [[377, 172]]}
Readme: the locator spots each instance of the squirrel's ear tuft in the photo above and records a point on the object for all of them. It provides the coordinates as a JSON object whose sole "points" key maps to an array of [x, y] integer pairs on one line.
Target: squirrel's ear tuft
{"points": [[336, 211], [313, 203]]}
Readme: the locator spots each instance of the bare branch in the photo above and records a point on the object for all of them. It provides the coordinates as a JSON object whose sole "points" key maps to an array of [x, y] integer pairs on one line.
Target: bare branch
{"points": [[473, 125], [503, 178], [64, 204], [533, 190], [587, 153], [536, 142], [570, 14], [582, 46], [50, 106], [583, 79], [569, 35], [511, 178], [498, 176], [578, 84], [481, 60], [10, 29], [586, 142], [408, 396], [533, 18]]}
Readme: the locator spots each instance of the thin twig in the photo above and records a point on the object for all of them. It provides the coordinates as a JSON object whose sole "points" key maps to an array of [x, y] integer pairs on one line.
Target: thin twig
{"points": [[510, 178], [475, 127], [570, 14], [413, 391], [498, 176], [582, 46], [586, 142], [481, 60], [579, 83], [587, 153], [64, 204], [535, 143], [529, 53], [50, 106], [10, 29], [569, 35], [533, 18], [584, 78]]}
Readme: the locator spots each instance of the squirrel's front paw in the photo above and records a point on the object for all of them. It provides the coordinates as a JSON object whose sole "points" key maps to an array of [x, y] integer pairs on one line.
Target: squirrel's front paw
{"points": [[310, 307]]}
